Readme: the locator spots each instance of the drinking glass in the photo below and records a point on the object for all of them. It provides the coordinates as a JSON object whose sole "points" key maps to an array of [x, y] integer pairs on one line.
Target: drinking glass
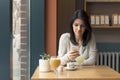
{"points": [[54, 63], [80, 59]]}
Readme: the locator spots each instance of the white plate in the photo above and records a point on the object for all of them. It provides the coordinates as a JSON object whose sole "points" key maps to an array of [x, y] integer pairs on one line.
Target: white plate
{"points": [[71, 69]]}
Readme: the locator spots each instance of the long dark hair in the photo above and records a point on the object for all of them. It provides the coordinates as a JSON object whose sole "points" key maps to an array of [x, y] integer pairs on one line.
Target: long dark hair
{"points": [[81, 14]]}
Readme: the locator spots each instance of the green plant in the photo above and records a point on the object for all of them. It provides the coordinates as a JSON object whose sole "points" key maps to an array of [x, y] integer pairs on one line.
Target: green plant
{"points": [[44, 56]]}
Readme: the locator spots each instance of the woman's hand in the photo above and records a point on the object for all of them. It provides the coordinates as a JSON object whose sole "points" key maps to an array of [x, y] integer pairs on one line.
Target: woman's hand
{"points": [[72, 54]]}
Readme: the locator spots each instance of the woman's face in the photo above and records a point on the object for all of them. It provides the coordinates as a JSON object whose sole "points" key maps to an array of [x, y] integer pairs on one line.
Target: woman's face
{"points": [[78, 27]]}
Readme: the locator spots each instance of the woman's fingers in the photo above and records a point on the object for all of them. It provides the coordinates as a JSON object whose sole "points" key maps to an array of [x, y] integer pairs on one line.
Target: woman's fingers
{"points": [[73, 54], [72, 51]]}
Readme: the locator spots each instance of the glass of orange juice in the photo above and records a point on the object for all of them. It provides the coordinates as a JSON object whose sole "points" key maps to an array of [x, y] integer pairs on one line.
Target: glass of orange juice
{"points": [[54, 63]]}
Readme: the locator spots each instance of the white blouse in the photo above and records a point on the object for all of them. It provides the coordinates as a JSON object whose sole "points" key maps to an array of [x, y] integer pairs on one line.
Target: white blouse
{"points": [[89, 51]]}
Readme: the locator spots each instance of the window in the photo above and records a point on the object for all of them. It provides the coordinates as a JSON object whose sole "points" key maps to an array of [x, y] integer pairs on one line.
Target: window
{"points": [[20, 41]]}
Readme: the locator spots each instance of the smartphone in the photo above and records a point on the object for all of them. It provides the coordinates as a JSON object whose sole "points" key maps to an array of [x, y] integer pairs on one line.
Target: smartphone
{"points": [[75, 48]]}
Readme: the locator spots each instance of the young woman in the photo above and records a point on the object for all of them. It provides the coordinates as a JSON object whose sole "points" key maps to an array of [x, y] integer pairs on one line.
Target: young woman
{"points": [[80, 36]]}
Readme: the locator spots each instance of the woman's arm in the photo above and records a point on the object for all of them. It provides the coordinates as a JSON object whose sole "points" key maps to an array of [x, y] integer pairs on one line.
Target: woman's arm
{"points": [[62, 50], [92, 52]]}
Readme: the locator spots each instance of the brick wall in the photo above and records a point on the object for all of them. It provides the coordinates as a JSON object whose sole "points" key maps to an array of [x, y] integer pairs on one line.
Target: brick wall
{"points": [[24, 52]]}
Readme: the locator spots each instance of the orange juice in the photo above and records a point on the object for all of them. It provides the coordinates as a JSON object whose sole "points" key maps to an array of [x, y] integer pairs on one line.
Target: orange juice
{"points": [[54, 62]]}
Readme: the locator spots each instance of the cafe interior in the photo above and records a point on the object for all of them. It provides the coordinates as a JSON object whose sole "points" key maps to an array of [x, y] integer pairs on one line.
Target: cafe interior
{"points": [[30, 34]]}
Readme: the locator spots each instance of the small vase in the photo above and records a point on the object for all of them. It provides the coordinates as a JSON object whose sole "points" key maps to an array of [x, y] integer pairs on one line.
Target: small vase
{"points": [[44, 65]]}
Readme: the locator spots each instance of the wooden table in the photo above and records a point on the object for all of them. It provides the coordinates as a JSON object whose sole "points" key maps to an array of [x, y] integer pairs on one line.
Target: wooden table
{"points": [[84, 73]]}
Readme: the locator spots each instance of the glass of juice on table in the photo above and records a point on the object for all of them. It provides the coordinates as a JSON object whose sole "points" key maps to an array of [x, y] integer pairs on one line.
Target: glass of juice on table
{"points": [[54, 63]]}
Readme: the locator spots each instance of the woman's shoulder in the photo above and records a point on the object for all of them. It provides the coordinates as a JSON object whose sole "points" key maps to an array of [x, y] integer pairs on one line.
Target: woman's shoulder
{"points": [[65, 36]]}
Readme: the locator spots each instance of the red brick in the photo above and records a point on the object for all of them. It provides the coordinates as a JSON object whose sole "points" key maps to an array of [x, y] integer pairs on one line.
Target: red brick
{"points": [[23, 40], [23, 65], [23, 53], [23, 77], [23, 27], [23, 21], [23, 8], [23, 72], [23, 15], [23, 33], [23, 46], [23, 1], [24, 59]]}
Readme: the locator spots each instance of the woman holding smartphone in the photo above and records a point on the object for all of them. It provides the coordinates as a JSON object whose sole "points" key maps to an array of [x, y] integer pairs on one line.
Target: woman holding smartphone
{"points": [[79, 41]]}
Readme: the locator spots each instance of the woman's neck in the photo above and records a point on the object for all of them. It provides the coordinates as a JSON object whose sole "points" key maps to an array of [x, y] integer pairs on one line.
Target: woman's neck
{"points": [[78, 39]]}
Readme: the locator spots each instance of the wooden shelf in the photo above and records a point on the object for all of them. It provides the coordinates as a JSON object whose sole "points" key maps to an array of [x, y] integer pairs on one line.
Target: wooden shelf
{"points": [[102, 0], [105, 26], [103, 7]]}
